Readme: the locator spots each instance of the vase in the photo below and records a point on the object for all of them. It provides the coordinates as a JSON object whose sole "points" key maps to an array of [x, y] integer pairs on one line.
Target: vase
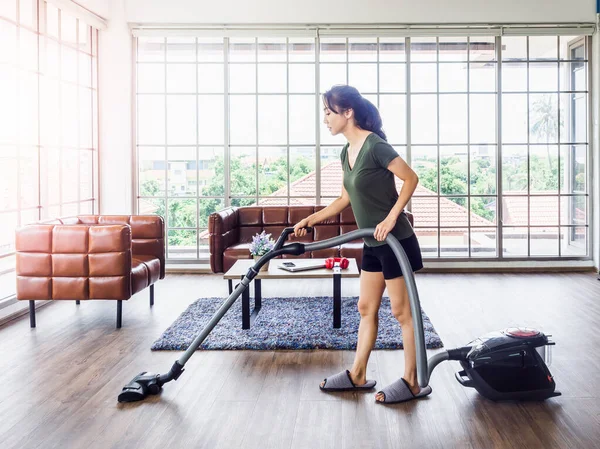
{"points": [[265, 267]]}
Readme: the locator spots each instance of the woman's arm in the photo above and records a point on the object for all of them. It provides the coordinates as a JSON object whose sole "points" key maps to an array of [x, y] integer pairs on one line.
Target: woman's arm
{"points": [[400, 169], [338, 205]]}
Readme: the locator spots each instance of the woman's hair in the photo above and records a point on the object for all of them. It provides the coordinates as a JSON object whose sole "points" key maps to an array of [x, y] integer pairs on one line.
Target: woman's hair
{"points": [[342, 97]]}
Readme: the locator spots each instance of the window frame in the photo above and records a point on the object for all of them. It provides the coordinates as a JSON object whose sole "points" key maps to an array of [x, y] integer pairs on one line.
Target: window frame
{"points": [[409, 146], [86, 25]]}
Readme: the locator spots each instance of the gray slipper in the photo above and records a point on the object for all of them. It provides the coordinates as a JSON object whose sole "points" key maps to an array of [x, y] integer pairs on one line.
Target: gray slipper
{"points": [[342, 382], [399, 391]]}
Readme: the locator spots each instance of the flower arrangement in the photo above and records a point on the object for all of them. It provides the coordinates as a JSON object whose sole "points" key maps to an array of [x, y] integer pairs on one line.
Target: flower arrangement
{"points": [[261, 244]]}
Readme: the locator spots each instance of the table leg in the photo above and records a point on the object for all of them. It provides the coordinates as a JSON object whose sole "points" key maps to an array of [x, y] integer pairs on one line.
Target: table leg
{"points": [[257, 295], [230, 283], [247, 317], [337, 298], [246, 308]]}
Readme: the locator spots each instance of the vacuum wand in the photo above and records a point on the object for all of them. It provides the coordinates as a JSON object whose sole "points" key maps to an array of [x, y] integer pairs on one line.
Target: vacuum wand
{"points": [[145, 383]]}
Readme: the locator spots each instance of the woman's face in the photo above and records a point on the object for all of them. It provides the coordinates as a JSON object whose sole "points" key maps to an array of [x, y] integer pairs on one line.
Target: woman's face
{"points": [[336, 123]]}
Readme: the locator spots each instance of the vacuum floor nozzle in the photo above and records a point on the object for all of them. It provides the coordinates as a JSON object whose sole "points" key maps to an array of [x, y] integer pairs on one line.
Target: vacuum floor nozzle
{"points": [[140, 387]]}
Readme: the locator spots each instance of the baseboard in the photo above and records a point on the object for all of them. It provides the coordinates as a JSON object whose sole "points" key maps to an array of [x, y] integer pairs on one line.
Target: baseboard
{"points": [[188, 268], [456, 266], [442, 269], [522, 270], [17, 310], [8, 302]]}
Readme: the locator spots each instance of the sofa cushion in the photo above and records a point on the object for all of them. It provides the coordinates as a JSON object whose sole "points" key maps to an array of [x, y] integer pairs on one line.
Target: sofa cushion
{"points": [[110, 287], [346, 228], [152, 264], [324, 232], [247, 232], [275, 215], [35, 239], [295, 214], [352, 250], [70, 239], [231, 231], [139, 276], [32, 288], [250, 216], [275, 231], [70, 288], [327, 252], [109, 264], [146, 227], [233, 253]]}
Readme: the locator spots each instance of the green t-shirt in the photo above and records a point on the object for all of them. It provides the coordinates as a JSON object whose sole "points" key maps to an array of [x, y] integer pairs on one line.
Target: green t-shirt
{"points": [[371, 187]]}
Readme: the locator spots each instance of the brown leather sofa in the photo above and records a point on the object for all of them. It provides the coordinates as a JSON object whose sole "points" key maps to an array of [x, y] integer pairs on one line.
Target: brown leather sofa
{"points": [[231, 231], [90, 257]]}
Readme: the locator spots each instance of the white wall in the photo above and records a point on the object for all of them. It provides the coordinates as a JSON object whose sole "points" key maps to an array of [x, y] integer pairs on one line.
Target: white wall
{"points": [[115, 125], [360, 11]]}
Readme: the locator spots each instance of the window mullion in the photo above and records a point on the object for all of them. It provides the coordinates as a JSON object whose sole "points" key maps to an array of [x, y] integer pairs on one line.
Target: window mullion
{"points": [[78, 108], [41, 26], [60, 114], [256, 97], [17, 129], [558, 140], [226, 148], [166, 195], [528, 159], [287, 96], [317, 117], [439, 173], [197, 150], [469, 241], [499, 186]]}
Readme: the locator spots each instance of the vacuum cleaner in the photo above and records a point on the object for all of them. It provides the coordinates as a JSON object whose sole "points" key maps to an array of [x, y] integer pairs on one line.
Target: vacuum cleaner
{"points": [[506, 365]]}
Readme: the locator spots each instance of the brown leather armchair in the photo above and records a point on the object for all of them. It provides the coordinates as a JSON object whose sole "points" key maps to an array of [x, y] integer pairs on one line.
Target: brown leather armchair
{"points": [[90, 257], [231, 231]]}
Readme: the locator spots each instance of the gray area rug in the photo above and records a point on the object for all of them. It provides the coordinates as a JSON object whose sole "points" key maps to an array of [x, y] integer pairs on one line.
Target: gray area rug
{"points": [[285, 323]]}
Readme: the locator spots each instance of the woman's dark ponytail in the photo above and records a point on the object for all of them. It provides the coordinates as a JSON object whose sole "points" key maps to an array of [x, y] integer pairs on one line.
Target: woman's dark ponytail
{"points": [[342, 97], [372, 120]]}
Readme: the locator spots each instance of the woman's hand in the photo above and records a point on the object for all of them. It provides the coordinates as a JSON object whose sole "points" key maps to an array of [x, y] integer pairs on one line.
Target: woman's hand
{"points": [[300, 228], [384, 228]]}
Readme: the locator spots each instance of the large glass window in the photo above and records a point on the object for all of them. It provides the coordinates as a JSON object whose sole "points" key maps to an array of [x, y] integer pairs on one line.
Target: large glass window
{"points": [[496, 128], [544, 146], [48, 137]]}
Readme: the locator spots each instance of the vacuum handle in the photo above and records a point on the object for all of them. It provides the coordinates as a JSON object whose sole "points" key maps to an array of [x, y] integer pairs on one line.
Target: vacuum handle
{"points": [[284, 235], [462, 378]]}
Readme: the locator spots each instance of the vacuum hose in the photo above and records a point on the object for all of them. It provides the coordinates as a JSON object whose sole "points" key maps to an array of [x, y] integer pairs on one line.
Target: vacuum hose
{"points": [[144, 383]]}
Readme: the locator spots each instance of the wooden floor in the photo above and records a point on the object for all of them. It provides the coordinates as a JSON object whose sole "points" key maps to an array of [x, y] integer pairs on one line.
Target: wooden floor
{"points": [[59, 383]]}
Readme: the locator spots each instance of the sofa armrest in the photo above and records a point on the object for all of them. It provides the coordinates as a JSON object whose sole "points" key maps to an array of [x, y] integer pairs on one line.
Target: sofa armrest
{"points": [[148, 237], [223, 232], [82, 261]]}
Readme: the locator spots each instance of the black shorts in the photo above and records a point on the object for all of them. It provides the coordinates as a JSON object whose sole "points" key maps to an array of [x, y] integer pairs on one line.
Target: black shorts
{"points": [[382, 258]]}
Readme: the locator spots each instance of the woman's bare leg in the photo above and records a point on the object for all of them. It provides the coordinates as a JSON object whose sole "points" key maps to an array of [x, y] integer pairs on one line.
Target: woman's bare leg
{"points": [[372, 285], [401, 311]]}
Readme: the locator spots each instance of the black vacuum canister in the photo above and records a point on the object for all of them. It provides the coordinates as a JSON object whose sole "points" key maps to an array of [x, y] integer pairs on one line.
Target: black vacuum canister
{"points": [[510, 365]]}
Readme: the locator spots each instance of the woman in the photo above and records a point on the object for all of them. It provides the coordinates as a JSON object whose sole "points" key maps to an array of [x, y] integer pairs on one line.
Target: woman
{"points": [[370, 165]]}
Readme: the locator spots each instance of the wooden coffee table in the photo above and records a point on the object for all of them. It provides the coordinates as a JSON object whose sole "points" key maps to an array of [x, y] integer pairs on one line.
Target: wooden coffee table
{"points": [[241, 267]]}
